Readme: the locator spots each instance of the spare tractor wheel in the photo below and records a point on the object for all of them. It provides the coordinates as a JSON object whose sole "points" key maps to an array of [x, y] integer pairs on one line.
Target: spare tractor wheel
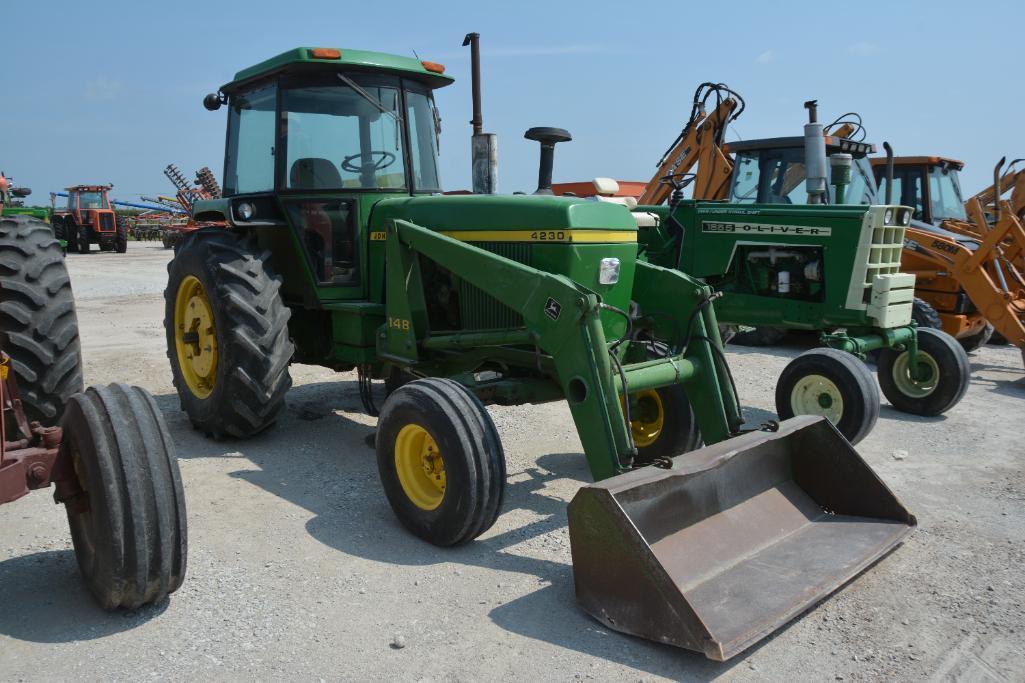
{"points": [[227, 334], [121, 238], [662, 423], [758, 336], [129, 528], [38, 326], [440, 461], [943, 378], [833, 384]]}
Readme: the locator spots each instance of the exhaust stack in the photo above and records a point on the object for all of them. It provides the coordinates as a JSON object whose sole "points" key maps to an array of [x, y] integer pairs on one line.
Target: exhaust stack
{"points": [[814, 155], [483, 146]]}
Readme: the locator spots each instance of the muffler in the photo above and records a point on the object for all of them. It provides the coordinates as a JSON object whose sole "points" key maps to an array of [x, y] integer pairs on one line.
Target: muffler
{"points": [[735, 540]]}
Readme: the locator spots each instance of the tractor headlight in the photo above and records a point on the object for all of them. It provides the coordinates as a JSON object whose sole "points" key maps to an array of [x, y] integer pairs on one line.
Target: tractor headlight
{"points": [[608, 271], [246, 211], [888, 216], [905, 217]]}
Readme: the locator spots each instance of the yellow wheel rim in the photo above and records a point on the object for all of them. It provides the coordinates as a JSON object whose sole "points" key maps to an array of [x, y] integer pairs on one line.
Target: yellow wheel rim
{"points": [[420, 467], [927, 368], [195, 338], [817, 395], [647, 419]]}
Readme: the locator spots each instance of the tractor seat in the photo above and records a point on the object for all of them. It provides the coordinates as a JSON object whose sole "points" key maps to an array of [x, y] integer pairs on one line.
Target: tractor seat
{"points": [[313, 173]]}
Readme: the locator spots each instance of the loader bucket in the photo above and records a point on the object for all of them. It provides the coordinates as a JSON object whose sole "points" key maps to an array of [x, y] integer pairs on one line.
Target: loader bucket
{"points": [[735, 540]]}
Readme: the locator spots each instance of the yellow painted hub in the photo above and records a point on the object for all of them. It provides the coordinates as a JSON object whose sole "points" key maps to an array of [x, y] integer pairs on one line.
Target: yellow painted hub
{"points": [[195, 339], [647, 417], [420, 467]]}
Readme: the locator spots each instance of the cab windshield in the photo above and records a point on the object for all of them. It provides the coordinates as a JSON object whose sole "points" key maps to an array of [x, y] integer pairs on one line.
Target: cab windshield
{"points": [[90, 200], [776, 176], [945, 194], [336, 132]]}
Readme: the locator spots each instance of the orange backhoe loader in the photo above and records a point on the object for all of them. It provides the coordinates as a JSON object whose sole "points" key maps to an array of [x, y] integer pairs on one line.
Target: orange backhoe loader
{"points": [[969, 262]]}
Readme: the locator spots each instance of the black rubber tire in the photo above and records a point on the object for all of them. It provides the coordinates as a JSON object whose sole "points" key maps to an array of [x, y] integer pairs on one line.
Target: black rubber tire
{"points": [[925, 315], [131, 540], [852, 379], [759, 336], [471, 450], [974, 341], [679, 433], [397, 378], [251, 329], [952, 362], [121, 238], [38, 325], [997, 339], [59, 231], [71, 234]]}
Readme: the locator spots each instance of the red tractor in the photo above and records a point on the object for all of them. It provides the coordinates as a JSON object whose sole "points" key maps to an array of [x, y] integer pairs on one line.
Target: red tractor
{"points": [[105, 450], [88, 218]]}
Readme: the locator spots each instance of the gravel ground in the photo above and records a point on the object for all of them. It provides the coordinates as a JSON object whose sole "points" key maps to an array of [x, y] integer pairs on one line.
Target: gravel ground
{"points": [[298, 569]]}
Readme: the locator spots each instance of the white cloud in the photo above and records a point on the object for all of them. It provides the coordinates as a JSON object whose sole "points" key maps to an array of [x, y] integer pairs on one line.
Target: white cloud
{"points": [[765, 57], [863, 49], [102, 88]]}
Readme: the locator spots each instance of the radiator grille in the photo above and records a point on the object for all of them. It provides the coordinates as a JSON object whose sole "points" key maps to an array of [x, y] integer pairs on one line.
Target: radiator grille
{"points": [[884, 252], [480, 311], [106, 221]]}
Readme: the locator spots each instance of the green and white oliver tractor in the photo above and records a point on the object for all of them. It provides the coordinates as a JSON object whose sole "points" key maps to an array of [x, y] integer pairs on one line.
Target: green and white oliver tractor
{"points": [[339, 251], [788, 252]]}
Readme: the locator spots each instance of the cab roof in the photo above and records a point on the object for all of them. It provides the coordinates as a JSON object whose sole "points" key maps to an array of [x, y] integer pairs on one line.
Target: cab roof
{"points": [[88, 188], [833, 144], [310, 58], [921, 161]]}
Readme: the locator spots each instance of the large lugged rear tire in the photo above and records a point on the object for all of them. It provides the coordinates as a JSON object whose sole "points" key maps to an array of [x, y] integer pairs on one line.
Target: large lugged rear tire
{"points": [[121, 238], [947, 373], [441, 461], [833, 384], [227, 334], [38, 326], [131, 538]]}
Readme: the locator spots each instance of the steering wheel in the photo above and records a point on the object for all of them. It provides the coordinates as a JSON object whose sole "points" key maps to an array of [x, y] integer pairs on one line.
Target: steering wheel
{"points": [[678, 181], [386, 159]]}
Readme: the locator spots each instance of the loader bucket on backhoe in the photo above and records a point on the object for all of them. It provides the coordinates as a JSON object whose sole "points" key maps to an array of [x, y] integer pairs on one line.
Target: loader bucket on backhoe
{"points": [[734, 541]]}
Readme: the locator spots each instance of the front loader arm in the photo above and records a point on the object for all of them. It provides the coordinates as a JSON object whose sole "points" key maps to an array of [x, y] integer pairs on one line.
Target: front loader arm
{"points": [[561, 318]]}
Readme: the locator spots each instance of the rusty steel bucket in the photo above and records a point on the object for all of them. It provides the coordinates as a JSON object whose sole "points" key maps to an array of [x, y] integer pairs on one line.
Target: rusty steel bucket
{"points": [[735, 540]]}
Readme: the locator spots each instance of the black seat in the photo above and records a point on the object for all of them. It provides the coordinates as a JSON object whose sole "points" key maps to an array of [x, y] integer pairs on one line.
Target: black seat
{"points": [[313, 173]]}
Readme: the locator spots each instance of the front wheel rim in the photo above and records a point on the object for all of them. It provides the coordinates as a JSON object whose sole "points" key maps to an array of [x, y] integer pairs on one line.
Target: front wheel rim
{"points": [[927, 366], [195, 337], [817, 395], [648, 422], [420, 467]]}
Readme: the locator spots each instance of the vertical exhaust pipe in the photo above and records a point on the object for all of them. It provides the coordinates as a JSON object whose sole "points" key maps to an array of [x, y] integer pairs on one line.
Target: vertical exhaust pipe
{"points": [[996, 189], [483, 146], [814, 155], [889, 173]]}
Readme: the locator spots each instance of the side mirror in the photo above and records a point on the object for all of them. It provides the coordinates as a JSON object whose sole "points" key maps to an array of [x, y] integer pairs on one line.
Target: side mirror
{"points": [[212, 102]]}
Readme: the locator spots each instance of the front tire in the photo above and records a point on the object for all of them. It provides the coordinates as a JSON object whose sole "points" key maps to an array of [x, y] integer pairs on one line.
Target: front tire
{"points": [[38, 325], [227, 334], [662, 424], [945, 366], [441, 461], [129, 528], [833, 384]]}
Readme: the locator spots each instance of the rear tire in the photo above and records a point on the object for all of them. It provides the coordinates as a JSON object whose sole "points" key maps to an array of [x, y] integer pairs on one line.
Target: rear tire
{"points": [[925, 315], [38, 325], [997, 339], [230, 366], [759, 336], [121, 238], [948, 381], [131, 538], [82, 239], [441, 461], [833, 384]]}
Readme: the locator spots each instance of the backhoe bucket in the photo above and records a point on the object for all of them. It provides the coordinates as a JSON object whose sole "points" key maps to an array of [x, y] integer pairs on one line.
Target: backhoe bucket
{"points": [[735, 540]]}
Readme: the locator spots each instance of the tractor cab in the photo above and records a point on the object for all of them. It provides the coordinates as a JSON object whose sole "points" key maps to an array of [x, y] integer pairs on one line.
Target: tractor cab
{"points": [[772, 171], [316, 137], [928, 184]]}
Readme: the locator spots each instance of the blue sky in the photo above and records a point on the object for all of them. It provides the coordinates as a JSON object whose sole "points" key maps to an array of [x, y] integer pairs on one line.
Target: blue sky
{"points": [[109, 91]]}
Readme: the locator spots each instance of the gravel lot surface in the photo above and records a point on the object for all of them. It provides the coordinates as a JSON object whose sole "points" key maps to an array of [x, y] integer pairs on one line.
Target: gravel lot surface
{"points": [[299, 570]]}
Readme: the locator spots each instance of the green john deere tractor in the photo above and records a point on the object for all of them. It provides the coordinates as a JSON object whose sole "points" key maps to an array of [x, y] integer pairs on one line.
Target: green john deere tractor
{"points": [[338, 251], [789, 253]]}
